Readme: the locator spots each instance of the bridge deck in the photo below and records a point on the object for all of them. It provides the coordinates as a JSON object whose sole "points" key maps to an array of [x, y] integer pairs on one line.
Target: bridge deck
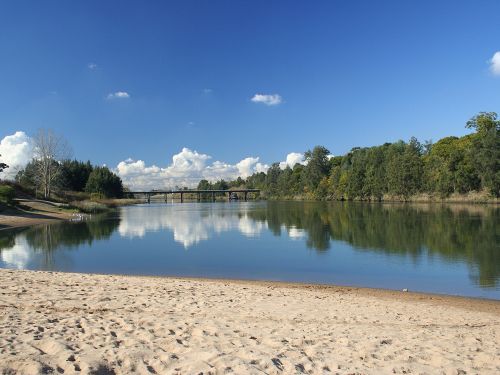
{"points": [[193, 191]]}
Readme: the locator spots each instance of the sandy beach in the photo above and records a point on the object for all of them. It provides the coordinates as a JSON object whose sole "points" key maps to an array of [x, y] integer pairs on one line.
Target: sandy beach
{"points": [[40, 213], [101, 324]]}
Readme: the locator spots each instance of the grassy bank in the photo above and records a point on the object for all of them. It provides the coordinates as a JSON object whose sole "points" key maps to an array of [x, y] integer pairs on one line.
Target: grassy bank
{"points": [[21, 207], [473, 197]]}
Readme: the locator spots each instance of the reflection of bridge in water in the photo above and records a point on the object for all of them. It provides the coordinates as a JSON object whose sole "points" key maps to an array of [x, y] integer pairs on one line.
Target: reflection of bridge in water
{"points": [[231, 194]]}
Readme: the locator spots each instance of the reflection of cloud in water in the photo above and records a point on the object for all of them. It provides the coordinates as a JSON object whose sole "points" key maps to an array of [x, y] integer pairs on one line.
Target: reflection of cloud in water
{"points": [[295, 233], [17, 256], [249, 227], [189, 224]]}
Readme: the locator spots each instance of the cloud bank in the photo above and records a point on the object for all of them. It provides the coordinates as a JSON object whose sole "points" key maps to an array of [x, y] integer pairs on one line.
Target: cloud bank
{"points": [[187, 167], [16, 151], [495, 64], [267, 99]]}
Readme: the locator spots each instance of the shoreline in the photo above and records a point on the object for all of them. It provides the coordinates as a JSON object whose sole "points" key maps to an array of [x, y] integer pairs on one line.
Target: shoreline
{"points": [[16, 218], [30, 219], [469, 302], [67, 322]]}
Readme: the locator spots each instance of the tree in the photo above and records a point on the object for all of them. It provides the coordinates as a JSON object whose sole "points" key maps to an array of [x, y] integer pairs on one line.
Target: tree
{"points": [[317, 166], [486, 147], [273, 174], [204, 185], [105, 183], [356, 179], [375, 185], [74, 174], [405, 168], [50, 150]]}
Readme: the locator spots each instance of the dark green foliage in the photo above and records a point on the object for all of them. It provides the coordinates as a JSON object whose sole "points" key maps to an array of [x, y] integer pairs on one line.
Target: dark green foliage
{"points": [[486, 149], [74, 174], [7, 194], [27, 176], [105, 183]]}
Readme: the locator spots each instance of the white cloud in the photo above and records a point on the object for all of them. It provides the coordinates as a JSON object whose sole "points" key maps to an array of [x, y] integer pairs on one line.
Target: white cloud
{"points": [[247, 166], [16, 151], [495, 64], [267, 99], [92, 66], [207, 91], [291, 159], [119, 95], [188, 167]]}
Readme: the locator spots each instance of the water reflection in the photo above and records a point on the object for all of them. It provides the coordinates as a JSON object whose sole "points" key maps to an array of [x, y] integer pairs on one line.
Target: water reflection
{"points": [[457, 233], [189, 224], [36, 245], [448, 235]]}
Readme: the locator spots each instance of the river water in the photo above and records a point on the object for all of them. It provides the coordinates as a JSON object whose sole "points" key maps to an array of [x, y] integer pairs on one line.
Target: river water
{"points": [[450, 249]]}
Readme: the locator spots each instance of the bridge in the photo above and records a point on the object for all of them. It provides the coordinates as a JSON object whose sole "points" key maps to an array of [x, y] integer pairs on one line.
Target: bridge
{"points": [[198, 193]]}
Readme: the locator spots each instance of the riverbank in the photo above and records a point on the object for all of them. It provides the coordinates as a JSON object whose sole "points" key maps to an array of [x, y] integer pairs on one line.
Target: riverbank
{"points": [[55, 322], [32, 213], [473, 197]]}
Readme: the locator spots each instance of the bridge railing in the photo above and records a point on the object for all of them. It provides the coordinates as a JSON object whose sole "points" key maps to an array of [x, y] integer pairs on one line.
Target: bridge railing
{"points": [[211, 193]]}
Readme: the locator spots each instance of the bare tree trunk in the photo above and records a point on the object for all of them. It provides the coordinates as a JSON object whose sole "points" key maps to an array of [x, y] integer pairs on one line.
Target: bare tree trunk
{"points": [[50, 150]]}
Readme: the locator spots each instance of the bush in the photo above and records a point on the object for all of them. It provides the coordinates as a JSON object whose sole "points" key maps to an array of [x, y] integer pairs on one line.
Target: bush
{"points": [[90, 207], [7, 194]]}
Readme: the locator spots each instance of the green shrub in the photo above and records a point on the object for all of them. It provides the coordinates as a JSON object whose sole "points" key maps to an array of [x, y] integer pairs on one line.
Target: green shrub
{"points": [[90, 207], [7, 194]]}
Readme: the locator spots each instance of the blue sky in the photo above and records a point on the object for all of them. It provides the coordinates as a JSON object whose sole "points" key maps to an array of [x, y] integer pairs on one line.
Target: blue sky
{"points": [[349, 73]]}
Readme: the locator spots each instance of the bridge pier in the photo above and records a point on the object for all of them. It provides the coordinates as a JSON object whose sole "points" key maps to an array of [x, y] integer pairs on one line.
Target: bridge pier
{"points": [[213, 196], [246, 193], [149, 198], [182, 197], [198, 197]]}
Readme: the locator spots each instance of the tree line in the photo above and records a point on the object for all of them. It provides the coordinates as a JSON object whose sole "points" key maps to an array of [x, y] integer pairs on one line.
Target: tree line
{"points": [[398, 170], [51, 170]]}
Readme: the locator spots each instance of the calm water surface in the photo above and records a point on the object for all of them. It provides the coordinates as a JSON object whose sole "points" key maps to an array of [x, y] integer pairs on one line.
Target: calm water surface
{"points": [[443, 249]]}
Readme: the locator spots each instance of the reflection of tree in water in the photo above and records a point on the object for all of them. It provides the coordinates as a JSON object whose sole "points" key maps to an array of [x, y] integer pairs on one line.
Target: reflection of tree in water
{"points": [[455, 233], [48, 238], [70, 235], [8, 239]]}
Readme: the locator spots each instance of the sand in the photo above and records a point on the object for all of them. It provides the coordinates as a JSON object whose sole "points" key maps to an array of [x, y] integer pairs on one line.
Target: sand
{"points": [[39, 213], [101, 324]]}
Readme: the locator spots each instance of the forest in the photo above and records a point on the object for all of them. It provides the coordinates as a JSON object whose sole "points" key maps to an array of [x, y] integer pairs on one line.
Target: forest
{"points": [[399, 170]]}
